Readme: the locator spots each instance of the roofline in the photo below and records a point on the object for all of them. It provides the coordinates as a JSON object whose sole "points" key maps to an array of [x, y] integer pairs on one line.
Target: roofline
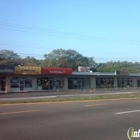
{"points": [[103, 74]]}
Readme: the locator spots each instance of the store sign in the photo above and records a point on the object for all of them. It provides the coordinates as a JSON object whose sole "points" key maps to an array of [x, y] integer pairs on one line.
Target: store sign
{"points": [[27, 70], [56, 71], [122, 72], [83, 69], [6, 69]]}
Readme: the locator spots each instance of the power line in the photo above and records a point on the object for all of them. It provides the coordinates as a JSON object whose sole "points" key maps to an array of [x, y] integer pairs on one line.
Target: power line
{"points": [[39, 56], [94, 57], [4, 44], [43, 31]]}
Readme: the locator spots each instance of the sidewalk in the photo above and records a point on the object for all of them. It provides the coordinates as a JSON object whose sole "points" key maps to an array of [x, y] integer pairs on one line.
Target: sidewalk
{"points": [[67, 92]]}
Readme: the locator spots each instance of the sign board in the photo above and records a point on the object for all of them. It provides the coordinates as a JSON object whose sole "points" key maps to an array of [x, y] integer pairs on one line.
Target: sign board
{"points": [[121, 72], [6, 69], [27, 70], [56, 71], [83, 69]]}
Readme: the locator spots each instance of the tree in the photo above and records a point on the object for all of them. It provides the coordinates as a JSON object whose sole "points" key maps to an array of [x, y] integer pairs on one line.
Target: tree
{"points": [[30, 61], [92, 64], [65, 58], [8, 57], [125, 65]]}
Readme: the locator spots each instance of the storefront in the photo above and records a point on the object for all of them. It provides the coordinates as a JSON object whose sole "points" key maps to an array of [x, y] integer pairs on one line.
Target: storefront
{"points": [[30, 78], [124, 82], [5, 70], [78, 83], [50, 83], [23, 78], [104, 82], [21, 83], [53, 78]]}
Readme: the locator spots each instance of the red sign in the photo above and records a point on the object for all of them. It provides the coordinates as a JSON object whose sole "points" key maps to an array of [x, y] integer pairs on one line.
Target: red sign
{"points": [[56, 71]]}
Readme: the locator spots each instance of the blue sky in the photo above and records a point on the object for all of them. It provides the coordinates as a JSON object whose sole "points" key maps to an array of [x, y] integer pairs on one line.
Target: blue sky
{"points": [[106, 30]]}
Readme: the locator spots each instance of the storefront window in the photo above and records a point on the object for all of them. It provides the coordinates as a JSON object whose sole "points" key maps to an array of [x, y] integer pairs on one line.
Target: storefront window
{"points": [[50, 83], [104, 82], [14, 82], [58, 84], [124, 82], [85, 83], [28, 82], [78, 83]]}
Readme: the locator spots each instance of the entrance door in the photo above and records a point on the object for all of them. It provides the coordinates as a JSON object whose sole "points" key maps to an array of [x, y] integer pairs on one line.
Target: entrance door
{"points": [[138, 83], [51, 84], [22, 84], [2, 83], [77, 83]]}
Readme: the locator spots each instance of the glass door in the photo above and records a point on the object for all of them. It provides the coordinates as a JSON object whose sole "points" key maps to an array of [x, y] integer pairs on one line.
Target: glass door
{"points": [[79, 84], [51, 84], [39, 83], [2, 83], [46, 84], [22, 84]]}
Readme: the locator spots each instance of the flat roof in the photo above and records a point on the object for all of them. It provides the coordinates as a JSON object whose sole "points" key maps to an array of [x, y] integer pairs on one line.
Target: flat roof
{"points": [[103, 74]]}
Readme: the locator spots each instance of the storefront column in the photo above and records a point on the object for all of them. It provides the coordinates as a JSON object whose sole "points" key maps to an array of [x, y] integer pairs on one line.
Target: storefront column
{"points": [[134, 82], [92, 82], [7, 88], [34, 83], [65, 83], [115, 82]]}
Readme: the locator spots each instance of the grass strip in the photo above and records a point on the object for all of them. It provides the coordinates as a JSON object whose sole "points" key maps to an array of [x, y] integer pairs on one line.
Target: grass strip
{"points": [[98, 97]]}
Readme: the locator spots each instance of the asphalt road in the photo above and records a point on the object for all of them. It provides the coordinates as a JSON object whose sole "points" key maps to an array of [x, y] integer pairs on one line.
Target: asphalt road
{"points": [[86, 120]]}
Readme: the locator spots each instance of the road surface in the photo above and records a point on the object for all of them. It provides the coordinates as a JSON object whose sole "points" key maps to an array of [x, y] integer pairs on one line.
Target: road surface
{"points": [[84, 120]]}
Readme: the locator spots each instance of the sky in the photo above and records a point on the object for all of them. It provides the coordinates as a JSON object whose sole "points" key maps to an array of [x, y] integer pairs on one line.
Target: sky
{"points": [[107, 30]]}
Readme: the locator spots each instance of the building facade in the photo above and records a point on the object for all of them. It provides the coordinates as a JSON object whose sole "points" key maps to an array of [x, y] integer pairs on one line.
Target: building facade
{"points": [[29, 78]]}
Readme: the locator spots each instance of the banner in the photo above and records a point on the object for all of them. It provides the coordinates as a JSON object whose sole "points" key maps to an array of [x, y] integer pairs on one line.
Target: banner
{"points": [[6, 69], [56, 71], [27, 70]]}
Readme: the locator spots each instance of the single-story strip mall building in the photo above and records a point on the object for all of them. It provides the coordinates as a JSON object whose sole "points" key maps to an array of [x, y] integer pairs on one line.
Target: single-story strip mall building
{"points": [[32, 78]]}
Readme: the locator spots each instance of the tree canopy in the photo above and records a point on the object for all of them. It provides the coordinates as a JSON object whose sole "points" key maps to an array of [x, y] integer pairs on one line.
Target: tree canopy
{"points": [[30, 61], [68, 59], [9, 57]]}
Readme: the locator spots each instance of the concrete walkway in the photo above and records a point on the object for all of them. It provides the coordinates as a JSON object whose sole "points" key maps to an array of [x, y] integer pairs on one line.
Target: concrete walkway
{"points": [[63, 94]]}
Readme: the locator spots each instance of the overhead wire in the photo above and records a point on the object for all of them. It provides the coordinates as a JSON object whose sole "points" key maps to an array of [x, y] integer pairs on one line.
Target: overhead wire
{"points": [[5, 44], [43, 31]]}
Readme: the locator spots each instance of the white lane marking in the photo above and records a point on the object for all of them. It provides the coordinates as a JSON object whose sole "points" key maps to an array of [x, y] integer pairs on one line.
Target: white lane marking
{"points": [[18, 112], [133, 111], [96, 105], [22, 98]]}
